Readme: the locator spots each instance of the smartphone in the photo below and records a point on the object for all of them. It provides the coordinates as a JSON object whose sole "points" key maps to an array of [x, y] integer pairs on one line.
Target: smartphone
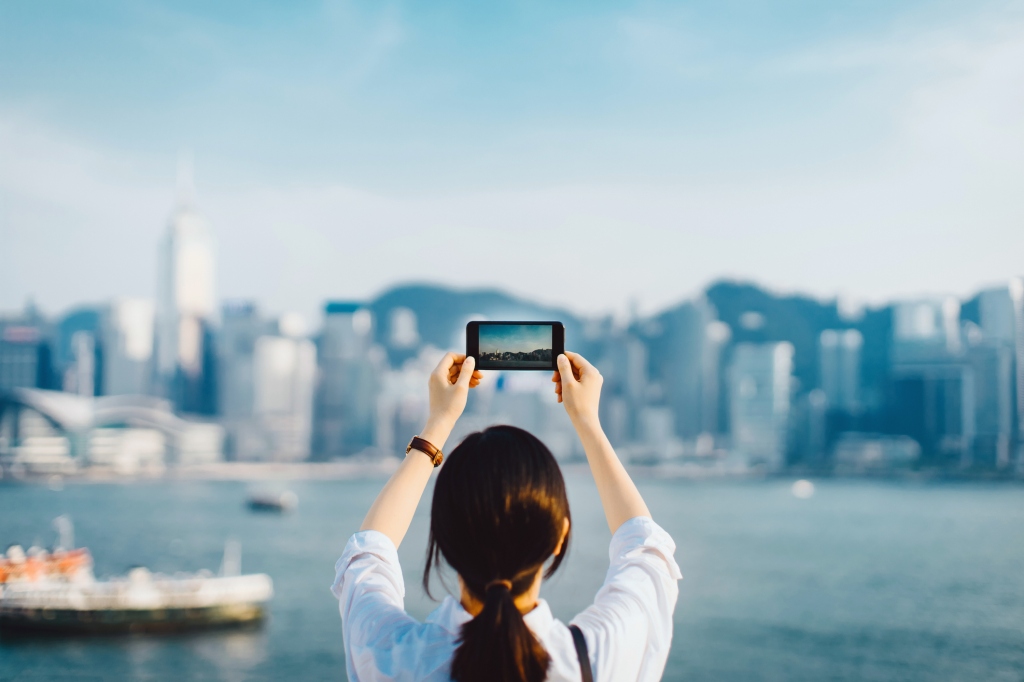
{"points": [[515, 345]]}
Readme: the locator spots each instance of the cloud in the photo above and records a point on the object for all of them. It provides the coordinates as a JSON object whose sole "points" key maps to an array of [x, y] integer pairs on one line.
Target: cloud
{"points": [[932, 206]]}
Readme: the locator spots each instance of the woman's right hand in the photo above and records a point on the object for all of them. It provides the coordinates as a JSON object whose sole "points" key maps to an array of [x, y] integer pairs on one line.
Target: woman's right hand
{"points": [[449, 387], [578, 385]]}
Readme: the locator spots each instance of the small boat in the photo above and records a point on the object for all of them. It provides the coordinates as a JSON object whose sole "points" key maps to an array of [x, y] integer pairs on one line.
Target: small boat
{"points": [[273, 502], [56, 592]]}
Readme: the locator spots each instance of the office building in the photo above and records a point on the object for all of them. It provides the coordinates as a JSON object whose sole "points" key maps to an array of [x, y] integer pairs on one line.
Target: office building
{"points": [[127, 347], [345, 421], [186, 306], [241, 325], [933, 389], [1017, 298], [25, 358], [760, 386], [78, 361], [284, 379], [840, 358], [925, 329], [685, 346]]}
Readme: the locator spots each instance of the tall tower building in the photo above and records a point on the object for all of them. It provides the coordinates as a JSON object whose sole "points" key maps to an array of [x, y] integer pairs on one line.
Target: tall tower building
{"points": [[127, 344], [349, 382], [839, 356], [186, 304], [761, 378]]}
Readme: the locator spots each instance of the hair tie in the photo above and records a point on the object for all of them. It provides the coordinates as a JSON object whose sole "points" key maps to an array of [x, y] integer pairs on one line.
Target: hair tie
{"points": [[507, 584]]}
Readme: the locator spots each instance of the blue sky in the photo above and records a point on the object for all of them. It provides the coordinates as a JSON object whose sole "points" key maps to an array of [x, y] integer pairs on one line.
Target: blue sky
{"points": [[516, 338], [583, 153]]}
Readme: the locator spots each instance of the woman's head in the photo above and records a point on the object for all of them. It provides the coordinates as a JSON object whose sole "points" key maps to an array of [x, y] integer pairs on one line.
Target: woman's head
{"points": [[499, 513]]}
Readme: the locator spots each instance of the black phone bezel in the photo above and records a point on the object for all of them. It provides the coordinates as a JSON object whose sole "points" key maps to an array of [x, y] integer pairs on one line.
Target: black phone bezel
{"points": [[557, 343]]}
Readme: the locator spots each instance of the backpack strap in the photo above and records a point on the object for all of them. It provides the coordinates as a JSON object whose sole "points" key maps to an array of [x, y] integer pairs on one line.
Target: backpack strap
{"points": [[581, 653]]}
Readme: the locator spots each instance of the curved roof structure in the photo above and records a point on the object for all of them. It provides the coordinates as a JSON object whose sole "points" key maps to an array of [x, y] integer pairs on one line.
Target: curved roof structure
{"points": [[76, 414]]}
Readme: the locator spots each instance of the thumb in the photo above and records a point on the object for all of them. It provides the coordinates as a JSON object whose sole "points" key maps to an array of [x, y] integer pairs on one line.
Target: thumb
{"points": [[565, 369], [466, 371]]}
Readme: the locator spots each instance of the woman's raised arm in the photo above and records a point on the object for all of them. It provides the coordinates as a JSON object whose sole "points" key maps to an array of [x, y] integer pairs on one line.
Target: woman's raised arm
{"points": [[578, 384], [392, 511]]}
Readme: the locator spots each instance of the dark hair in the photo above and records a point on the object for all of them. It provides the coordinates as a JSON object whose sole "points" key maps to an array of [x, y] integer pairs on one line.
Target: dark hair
{"points": [[498, 513]]}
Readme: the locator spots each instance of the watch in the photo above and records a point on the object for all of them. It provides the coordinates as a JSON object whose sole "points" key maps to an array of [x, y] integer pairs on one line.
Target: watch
{"points": [[427, 448]]}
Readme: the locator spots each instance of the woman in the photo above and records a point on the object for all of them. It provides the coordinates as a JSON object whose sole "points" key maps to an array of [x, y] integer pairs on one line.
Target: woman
{"points": [[499, 514]]}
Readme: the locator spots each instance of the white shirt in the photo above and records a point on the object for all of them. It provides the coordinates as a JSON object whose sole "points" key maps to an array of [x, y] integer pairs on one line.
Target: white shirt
{"points": [[628, 628]]}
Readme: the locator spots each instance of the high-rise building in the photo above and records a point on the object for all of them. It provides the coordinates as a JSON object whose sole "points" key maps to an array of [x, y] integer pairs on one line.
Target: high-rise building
{"points": [[266, 379], [989, 375], [1017, 298], [349, 382], [78, 351], [26, 351], [186, 305], [24, 358], [760, 386], [933, 395], [241, 325], [997, 363], [284, 379], [926, 328], [840, 357], [127, 340]]}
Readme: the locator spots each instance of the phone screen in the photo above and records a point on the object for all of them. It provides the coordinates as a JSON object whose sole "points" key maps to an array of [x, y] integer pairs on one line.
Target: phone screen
{"points": [[515, 345]]}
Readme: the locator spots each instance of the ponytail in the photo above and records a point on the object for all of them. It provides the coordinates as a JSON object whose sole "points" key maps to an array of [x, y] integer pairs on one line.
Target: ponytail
{"points": [[497, 645], [499, 515]]}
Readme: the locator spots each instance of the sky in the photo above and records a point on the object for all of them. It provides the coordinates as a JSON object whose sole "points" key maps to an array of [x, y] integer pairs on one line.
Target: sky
{"points": [[595, 155], [515, 338]]}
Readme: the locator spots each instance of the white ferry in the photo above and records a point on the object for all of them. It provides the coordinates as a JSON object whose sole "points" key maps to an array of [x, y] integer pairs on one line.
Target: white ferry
{"points": [[56, 592]]}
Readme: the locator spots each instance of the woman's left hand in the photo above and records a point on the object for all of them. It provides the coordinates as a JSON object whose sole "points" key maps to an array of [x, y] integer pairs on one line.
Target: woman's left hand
{"points": [[449, 389]]}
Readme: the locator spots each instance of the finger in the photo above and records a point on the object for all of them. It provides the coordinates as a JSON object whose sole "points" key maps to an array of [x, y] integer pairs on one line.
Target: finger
{"points": [[580, 365], [579, 361], [555, 376], [565, 369], [445, 365], [466, 372], [478, 375]]}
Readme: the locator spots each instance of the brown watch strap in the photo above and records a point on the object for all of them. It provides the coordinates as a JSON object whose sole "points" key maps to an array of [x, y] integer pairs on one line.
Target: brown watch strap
{"points": [[427, 448]]}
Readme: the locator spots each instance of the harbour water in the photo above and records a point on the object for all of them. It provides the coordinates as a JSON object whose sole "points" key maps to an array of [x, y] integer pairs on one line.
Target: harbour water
{"points": [[862, 581]]}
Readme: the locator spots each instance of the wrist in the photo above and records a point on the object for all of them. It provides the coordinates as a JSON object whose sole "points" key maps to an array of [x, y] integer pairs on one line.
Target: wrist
{"points": [[587, 424], [436, 431]]}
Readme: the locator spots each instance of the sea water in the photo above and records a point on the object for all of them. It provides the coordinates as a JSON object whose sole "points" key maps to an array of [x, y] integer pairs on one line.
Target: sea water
{"points": [[860, 581]]}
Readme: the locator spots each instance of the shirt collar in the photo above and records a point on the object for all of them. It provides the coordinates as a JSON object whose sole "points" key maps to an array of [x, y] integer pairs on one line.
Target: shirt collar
{"points": [[451, 616]]}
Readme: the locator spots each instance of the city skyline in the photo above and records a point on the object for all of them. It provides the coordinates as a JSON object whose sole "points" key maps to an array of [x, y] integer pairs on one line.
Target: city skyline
{"points": [[868, 152]]}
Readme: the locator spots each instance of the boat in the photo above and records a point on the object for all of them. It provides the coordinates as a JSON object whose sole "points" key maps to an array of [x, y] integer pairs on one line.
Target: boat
{"points": [[55, 592], [273, 502]]}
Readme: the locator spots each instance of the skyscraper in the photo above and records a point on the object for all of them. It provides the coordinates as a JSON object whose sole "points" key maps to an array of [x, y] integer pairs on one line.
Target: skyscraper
{"points": [[346, 399], [932, 385], [186, 303], [127, 338], [284, 378], [1017, 297], [1001, 314], [760, 386], [26, 357], [840, 368]]}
